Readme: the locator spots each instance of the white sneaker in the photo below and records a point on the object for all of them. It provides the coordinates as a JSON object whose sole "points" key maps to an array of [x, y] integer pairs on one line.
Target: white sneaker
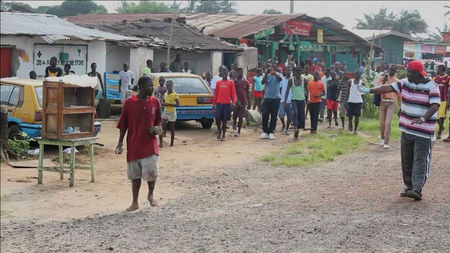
{"points": [[381, 142], [386, 146], [271, 136], [264, 136]]}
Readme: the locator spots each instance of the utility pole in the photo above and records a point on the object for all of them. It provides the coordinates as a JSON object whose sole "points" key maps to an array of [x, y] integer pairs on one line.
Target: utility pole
{"points": [[292, 7], [170, 42]]}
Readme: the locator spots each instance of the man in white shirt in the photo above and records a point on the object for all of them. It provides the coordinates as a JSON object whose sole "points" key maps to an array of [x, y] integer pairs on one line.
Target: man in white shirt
{"points": [[186, 68], [216, 79], [326, 77], [125, 82]]}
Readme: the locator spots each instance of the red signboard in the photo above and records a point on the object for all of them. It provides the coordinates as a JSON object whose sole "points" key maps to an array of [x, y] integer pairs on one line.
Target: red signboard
{"points": [[298, 27], [440, 49], [446, 36]]}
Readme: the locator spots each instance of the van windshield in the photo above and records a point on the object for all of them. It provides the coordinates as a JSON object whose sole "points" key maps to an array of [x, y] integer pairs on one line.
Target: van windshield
{"points": [[188, 85]]}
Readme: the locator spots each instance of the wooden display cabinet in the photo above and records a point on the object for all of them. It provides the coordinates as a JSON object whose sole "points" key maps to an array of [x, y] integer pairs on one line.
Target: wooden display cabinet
{"points": [[68, 111]]}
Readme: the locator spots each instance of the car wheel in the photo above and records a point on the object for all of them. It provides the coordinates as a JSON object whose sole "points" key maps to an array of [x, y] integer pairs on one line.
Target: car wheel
{"points": [[14, 132], [207, 124]]}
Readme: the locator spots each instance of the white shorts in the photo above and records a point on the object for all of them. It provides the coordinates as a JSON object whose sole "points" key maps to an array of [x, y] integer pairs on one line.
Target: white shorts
{"points": [[169, 116], [146, 168]]}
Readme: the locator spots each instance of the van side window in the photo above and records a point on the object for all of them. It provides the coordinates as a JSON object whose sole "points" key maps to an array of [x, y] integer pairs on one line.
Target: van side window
{"points": [[9, 94]]}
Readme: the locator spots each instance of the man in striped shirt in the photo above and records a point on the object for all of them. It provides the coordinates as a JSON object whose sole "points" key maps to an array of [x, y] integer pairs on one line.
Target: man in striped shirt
{"points": [[420, 102]]}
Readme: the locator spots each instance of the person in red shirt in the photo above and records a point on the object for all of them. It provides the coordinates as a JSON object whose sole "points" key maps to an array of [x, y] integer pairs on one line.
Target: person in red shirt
{"points": [[141, 117], [316, 89], [224, 95], [442, 80], [243, 97]]}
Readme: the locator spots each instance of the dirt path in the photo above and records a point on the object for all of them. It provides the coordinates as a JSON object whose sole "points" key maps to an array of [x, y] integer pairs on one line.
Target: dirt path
{"points": [[197, 152], [211, 203]]}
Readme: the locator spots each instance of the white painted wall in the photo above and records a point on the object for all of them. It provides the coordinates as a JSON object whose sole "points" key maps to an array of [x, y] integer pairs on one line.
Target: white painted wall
{"points": [[23, 56], [116, 56], [216, 61], [198, 61], [138, 59]]}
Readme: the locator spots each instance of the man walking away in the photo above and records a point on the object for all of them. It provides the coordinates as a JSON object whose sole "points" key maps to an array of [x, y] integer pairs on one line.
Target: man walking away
{"points": [[420, 102], [224, 95], [355, 102], [343, 98], [141, 117], [125, 82], [270, 104], [442, 80], [316, 89], [243, 97], [285, 110], [53, 70], [326, 77]]}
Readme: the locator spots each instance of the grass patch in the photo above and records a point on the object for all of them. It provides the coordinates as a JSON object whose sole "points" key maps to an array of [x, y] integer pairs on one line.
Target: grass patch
{"points": [[372, 127], [314, 149]]}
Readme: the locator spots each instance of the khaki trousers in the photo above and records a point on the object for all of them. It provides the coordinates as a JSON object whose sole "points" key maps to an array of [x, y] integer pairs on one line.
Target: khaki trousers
{"points": [[387, 109]]}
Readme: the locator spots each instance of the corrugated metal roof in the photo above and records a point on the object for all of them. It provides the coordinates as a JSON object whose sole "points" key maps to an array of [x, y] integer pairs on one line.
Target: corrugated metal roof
{"points": [[232, 26], [51, 28], [369, 33], [236, 26], [156, 33]]}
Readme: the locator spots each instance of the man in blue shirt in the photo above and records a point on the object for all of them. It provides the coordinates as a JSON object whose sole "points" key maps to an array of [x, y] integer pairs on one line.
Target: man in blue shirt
{"points": [[271, 103]]}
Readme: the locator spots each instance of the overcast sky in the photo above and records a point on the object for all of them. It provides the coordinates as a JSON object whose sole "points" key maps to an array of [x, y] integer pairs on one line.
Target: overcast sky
{"points": [[344, 12]]}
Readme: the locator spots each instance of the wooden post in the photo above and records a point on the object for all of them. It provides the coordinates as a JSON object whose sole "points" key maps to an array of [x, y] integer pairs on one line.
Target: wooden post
{"points": [[61, 161], [72, 166], [4, 133], [41, 162], [92, 154]]}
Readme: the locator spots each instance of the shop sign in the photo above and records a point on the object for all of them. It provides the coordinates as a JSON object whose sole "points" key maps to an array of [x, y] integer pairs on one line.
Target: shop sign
{"points": [[297, 27]]}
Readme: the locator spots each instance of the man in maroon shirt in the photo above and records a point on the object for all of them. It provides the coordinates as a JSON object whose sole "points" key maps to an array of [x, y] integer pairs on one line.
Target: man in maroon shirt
{"points": [[243, 96], [141, 117]]}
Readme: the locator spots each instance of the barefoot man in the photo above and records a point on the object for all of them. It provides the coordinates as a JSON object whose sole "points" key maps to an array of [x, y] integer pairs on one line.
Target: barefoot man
{"points": [[141, 116]]}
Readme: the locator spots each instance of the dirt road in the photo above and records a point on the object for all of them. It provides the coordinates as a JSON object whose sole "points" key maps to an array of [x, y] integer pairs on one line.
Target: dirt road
{"points": [[211, 202]]}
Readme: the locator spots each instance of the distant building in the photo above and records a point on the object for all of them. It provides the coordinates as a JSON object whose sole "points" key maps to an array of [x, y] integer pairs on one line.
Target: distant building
{"points": [[299, 35], [29, 40], [203, 53]]}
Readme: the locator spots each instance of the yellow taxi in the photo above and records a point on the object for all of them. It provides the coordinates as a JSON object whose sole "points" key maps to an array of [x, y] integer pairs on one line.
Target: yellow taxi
{"points": [[23, 98], [195, 97]]}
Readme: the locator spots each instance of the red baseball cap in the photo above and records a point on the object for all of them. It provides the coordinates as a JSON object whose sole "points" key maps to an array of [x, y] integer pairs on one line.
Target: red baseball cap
{"points": [[417, 66]]}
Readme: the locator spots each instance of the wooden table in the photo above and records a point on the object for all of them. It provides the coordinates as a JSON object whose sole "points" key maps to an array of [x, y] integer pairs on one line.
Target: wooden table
{"points": [[61, 169]]}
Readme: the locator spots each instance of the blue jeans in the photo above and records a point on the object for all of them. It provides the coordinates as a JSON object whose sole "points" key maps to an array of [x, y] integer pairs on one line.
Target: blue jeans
{"points": [[298, 113], [270, 108], [323, 103]]}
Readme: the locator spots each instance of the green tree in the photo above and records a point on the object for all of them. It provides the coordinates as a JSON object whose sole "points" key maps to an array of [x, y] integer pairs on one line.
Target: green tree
{"points": [[271, 11], [16, 7], [144, 6], [72, 8], [408, 22], [211, 6]]}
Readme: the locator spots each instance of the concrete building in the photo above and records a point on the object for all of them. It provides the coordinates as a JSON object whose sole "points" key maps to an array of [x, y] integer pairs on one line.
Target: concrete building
{"points": [[203, 53], [299, 35], [28, 41]]}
